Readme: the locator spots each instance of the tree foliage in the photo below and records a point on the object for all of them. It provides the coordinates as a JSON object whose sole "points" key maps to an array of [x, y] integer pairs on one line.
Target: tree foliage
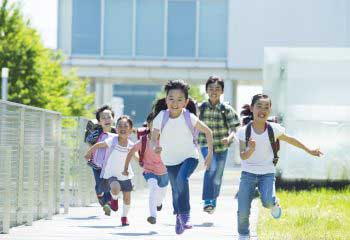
{"points": [[36, 76]]}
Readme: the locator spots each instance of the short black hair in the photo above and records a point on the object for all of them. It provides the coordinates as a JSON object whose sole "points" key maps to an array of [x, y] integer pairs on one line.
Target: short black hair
{"points": [[101, 109], [214, 79], [177, 84], [127, 119]]}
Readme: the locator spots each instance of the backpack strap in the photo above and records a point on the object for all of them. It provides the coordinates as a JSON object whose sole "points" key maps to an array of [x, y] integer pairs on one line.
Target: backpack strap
{"points": [[273, 143], [166, 115], [248, 133], [223, 114], [143, 148], [202, 109], [194, 131]]}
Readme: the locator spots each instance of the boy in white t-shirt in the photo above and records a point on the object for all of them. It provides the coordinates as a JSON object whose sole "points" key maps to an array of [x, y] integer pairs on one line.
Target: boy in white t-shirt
{"points": [[118, 146], [258, 158]]}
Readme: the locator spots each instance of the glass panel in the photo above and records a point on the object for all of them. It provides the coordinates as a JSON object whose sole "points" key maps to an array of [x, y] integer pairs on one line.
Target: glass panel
{"points": [[118, 26], [213, 28], [181, 28], [149, 27], [86, 27]]}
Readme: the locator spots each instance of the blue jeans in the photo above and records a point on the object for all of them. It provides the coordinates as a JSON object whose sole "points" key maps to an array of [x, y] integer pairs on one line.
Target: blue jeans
{"points": [[248, 183], [98, 180], [213, 176], [178, 176], [162, 180]]}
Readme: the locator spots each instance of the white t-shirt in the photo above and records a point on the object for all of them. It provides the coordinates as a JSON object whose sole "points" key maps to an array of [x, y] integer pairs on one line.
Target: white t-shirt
{"points": [[176, 139], [260, 162], [115, 163]]}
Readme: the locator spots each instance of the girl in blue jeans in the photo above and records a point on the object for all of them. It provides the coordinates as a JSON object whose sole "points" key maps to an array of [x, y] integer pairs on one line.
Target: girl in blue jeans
{"points": [[258, 169], [175, 127]]}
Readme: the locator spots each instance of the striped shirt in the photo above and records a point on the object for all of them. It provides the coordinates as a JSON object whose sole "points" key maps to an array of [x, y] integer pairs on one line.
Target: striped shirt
{"points": [[212, 117]]}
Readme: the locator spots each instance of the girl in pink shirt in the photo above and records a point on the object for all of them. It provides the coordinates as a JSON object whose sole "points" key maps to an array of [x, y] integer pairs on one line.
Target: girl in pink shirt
{"points": [[154, 171]]}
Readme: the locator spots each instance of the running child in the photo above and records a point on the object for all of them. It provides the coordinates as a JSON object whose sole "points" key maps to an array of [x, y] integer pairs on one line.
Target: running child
{"points": [[154, 170], [259, 159], [117, 147], [176, 127]]}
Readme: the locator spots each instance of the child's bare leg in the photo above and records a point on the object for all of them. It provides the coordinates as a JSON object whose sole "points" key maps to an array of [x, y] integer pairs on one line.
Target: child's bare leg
{"points": [[115, 189]]}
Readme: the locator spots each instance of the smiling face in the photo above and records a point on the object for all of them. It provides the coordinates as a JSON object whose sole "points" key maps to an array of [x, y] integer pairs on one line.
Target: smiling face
{"points": [[106, 119], [124, 128], [176, 101], [214, 91], [261, 109]]}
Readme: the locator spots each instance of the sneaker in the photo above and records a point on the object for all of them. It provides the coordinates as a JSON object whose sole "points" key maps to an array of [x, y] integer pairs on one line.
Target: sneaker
{"points": [[186, 221], [243, 237], [152, 220], [179, 228], [209, 209], [276, 211], [125, 221], [107, 209], [114, 205], [159, 207]]}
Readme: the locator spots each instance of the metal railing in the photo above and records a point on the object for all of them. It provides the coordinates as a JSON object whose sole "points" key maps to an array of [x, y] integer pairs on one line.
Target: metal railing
{"points": [[42, 165], [29, 164]]}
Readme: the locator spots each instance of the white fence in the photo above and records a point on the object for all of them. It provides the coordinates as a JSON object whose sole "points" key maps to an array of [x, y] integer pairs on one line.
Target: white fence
{"points": [[41, 165]]}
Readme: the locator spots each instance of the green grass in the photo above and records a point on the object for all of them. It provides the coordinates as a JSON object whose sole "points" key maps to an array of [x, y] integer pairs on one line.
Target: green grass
{"points": [[316, 214]]}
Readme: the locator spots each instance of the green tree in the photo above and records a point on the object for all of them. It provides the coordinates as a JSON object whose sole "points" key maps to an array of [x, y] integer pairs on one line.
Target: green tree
{"points": [[36, 77]]}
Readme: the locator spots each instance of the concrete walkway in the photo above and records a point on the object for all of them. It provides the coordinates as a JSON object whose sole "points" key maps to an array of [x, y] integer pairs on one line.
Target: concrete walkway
{"points": [[89, 223]]}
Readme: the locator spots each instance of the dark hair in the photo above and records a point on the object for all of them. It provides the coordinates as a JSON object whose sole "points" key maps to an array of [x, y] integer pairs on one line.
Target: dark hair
{"points": [[160, 105], [246, 113], [127, 118], [214, 79], [150, 117], [177, 84], [101, 109]]}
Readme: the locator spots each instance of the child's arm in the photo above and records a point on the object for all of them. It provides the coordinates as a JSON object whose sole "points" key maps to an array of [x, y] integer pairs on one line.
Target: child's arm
{"points": [[231, 137], [293, 141], [128, 159], [93, 149], [154, 138], [209, 136], [246, 152]]}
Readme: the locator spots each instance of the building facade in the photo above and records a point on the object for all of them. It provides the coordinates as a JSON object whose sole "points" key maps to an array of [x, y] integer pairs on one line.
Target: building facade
{"points": [[129, 48]]}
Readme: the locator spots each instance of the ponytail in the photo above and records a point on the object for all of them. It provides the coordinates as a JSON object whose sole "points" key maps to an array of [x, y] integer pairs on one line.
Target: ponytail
{"points": [[246, 114]]}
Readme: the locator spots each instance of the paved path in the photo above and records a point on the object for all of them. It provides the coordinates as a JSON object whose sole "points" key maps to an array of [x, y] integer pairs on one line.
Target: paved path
{"points": [[89, 223]]}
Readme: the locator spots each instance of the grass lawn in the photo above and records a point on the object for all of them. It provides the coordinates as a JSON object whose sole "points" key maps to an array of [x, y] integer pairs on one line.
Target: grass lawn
{"points": [[314, 215]]}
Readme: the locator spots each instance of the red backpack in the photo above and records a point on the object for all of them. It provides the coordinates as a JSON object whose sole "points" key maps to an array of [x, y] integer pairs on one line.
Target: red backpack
{"points": [[142, 133]]}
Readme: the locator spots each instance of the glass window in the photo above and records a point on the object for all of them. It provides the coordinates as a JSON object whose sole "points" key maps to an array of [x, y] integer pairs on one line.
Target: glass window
{"points": [[181, 28], [86, 27], [118, 24], [150, 27], [133, 95], [213, 28]]}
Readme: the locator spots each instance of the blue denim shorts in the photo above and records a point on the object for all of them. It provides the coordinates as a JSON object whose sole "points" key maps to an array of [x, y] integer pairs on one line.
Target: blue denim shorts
{"points": [[162, 180]]}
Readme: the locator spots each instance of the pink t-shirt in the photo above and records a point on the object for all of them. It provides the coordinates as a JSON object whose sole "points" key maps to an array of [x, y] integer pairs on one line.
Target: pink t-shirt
{"points": [[151, 161]]}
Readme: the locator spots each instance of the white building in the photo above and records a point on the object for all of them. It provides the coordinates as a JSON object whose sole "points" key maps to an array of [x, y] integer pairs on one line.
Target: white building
{"points": [[119, 44]]}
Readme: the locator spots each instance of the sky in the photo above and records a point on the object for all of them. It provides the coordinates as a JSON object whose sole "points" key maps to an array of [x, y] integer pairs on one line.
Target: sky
{"points": [[43, 17]]}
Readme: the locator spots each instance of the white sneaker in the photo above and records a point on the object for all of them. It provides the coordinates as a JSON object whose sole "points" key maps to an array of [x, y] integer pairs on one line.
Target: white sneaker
{"points": [[276, 211]]}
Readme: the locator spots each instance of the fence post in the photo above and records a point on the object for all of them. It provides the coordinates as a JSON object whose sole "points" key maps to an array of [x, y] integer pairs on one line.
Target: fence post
{"points": [[6, 218], [57, 127], [41, 176], [19, 209], [51, 184], [30, 195]]}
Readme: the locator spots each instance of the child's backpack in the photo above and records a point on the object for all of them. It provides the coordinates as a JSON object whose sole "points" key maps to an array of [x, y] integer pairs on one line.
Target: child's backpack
{"points": [[93, 131], [187, 116], [275, 144], [142, 133]]}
